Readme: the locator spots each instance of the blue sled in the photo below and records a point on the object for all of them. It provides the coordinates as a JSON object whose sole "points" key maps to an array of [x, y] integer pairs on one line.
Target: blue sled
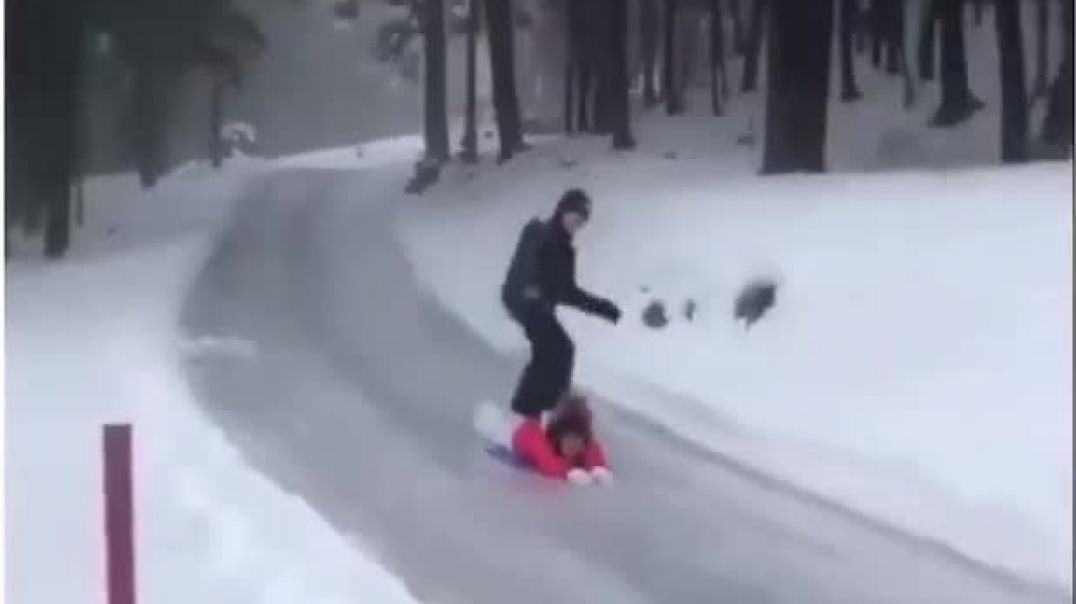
{"points": [[506, 455]]}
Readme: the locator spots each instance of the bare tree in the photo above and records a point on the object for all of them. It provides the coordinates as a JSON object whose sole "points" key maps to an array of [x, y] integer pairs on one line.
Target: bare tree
{"points": [[801, 33]]}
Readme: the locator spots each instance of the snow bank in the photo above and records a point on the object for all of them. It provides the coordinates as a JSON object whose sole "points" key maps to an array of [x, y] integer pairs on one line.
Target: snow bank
{"points": [[372, 154], [918, 361], [92, 340]]}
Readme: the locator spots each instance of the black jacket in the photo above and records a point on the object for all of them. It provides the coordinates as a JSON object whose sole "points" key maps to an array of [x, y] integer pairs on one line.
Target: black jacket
{"points": [[541, 274]]}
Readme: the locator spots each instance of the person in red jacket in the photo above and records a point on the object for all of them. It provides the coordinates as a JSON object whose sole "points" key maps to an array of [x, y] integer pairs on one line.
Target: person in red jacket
{"points": [[567, 448]]}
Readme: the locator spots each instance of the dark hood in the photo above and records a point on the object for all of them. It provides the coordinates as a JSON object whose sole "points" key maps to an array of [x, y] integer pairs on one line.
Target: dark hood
{"points": [[573, 200]]}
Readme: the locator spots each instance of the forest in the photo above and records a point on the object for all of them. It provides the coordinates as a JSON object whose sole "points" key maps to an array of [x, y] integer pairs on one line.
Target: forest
{"points": [[622, 60]]}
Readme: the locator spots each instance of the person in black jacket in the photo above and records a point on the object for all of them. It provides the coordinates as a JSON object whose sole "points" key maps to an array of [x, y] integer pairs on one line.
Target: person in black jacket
{"points": [[540, 277]]}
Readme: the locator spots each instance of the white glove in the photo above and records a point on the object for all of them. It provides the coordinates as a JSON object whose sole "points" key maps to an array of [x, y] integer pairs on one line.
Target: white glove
{"points": [[602, 476], [579, 477]]}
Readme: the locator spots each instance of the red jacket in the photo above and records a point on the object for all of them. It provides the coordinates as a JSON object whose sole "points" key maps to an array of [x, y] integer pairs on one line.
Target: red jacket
{"points": [[538, 447]]}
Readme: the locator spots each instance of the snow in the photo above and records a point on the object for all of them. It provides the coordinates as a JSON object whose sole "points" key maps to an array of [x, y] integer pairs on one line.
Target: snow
{"points": [[372, 154], [917, 364], [93, 340]]}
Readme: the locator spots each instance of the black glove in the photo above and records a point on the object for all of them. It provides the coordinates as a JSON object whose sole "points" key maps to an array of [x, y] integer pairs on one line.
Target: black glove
{"points": [[608, 310]]}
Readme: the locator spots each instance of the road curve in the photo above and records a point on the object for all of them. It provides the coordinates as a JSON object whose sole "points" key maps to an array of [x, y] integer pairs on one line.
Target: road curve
{"points": [[359, 395]]}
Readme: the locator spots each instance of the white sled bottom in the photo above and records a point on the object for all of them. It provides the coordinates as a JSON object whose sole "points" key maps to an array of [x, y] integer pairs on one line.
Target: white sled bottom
{"points": [[496, 424]]}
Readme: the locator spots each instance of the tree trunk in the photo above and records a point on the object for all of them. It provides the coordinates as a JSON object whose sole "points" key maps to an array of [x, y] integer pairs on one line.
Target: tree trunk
{"points": [[1057, 125], [958, 104], [216, 118], [648, 34], [754, 47], [1041, 85], [876, 18], [43, 53], [502, 66], [599, 50], [584, 95], [846, 23], [148, 123], [436, 118], [738, 42], [861, 27], [569, 66], [893, 26], [928, 20], [69, 29], [801, 33], [1013, 94], [617, 90], [469, 143], [581, 64], [674, 104], [717, 57], [905, 67]]}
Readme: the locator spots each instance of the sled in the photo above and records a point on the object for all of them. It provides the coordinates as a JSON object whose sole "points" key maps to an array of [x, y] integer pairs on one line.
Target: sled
{"points": [[495, 426]]}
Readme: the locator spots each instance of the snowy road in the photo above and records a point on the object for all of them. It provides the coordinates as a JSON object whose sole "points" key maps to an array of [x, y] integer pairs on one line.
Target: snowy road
{"points": [[358, 397]]}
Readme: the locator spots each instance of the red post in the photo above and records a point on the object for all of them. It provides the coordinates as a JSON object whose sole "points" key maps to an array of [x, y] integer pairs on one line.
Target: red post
{"points": [[119, 514]]}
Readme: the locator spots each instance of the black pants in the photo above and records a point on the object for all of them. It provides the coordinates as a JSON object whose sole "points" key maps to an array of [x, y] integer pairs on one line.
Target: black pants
{"points": [[549, 373]]}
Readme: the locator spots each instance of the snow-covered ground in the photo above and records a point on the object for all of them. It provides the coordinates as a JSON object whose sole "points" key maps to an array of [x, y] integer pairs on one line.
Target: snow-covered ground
{"points": [[917, 363], [91, 340]]}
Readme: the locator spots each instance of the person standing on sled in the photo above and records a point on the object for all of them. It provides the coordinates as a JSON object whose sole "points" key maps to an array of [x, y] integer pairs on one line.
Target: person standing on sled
{"points": [[541, 276]]}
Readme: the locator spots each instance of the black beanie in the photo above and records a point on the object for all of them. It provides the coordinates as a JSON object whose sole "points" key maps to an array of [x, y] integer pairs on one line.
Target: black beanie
{"points": [[574, 200]]}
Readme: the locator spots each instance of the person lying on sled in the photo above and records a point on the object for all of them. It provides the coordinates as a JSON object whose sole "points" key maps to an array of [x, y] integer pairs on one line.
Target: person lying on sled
{"points": [[567, 448]]}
